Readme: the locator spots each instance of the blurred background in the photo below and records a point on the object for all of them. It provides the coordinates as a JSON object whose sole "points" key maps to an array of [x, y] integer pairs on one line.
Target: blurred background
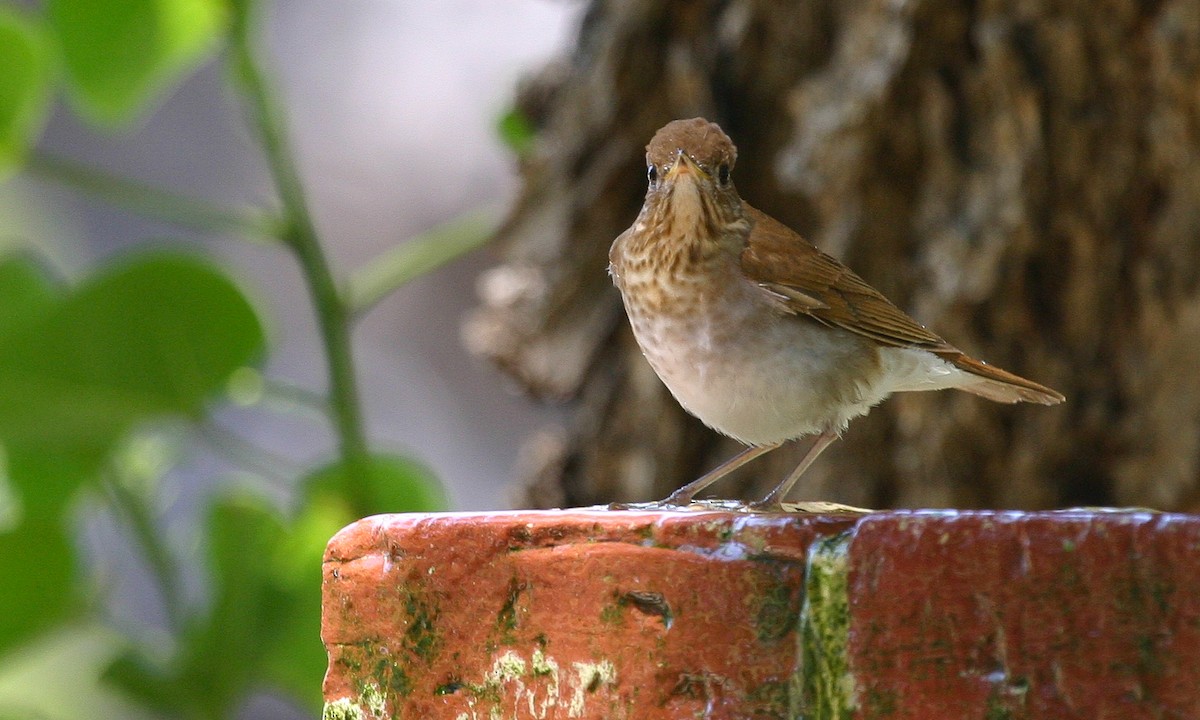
{"points": [[392, 110], [393, 113], [202, 199], [1023, 179]]}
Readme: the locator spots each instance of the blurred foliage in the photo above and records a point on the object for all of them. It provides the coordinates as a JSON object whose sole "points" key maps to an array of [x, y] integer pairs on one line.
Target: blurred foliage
{"points": [[516, 131], [158, 337], [119, 55], [24, 85]]}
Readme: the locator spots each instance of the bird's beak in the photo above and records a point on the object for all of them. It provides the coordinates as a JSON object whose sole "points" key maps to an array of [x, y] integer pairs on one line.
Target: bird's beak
{"points": [[684, 165]]}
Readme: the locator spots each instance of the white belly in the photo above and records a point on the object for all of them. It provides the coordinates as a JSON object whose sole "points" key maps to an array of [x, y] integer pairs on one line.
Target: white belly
{"points": [[763, 378], [732, 359]]}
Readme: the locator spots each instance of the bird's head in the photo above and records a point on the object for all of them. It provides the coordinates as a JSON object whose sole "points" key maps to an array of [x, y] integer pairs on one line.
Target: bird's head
{"points": [[690, 175]]}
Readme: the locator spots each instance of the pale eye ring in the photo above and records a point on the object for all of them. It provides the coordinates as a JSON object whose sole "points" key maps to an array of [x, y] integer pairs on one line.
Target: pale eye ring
{"points": [[652, 174], [723, 174]]}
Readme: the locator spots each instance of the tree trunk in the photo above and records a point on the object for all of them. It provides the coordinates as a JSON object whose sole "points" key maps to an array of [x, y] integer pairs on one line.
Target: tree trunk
{"points": [[1022, 177]]}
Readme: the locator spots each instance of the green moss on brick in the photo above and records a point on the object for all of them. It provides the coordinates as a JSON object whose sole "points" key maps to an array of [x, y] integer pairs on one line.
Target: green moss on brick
{"points": [[541, 665], [774, 613], [449, 687], [342, 709], [380, 678], [827, 687], [880, 703], [1149, 662], [533, 683], [997, 711], [421, 635], [399, 682], [771, 699], [613, 613], [508, 616]]}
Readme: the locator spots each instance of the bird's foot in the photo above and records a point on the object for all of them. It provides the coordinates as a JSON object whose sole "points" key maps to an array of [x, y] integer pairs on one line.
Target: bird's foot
{"points": [[768, 504], [816, 507], [685, 505], [644, 506]]}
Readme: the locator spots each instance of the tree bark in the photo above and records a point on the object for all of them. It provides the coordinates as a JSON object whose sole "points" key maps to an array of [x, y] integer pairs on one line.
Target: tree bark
{"points": [[1022, 177]]}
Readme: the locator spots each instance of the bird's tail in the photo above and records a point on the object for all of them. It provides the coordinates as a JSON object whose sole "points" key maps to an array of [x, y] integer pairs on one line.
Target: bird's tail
{"points": [[999, 385]]}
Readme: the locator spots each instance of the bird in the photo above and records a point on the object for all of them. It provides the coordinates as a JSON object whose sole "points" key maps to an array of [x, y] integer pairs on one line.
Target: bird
{"points": [[757, 332]]}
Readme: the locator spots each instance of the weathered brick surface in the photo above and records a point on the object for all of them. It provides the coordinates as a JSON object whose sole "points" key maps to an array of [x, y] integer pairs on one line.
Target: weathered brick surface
{"points": [[656, 616], [1055, 615]]}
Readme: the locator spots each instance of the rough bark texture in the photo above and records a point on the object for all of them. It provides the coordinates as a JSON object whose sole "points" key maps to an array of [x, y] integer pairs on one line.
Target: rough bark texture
{"points": [[1022, 177]]}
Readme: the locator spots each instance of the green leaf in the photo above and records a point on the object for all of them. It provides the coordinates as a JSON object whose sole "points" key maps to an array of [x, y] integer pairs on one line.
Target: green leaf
{"points": [[222, 654], [140, 681], [24, 87], [263, 626], [295, 659], [119, 54], [383, 482], [45, 480], [27, 295], [244, 13], [516, 131], [26, 291], [37, 563], [152, 336], [57, 677]]}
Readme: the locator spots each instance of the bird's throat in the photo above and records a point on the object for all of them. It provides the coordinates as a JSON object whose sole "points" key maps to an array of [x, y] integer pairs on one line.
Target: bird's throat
{"points": [[693, 226], [673, 263], [687, 208]]}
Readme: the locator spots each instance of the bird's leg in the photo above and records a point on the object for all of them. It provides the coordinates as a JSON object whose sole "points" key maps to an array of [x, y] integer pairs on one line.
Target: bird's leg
{"points": [[683, 496], [774, 499]]}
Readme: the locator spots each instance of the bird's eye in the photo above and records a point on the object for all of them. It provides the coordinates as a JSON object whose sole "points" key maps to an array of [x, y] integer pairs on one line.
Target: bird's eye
{"points": [[723, 174], [652, 174]]}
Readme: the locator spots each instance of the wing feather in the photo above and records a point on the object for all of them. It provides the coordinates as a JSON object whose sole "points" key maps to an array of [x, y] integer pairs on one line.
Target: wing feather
{"points": [[809, 282], [805, 281]]}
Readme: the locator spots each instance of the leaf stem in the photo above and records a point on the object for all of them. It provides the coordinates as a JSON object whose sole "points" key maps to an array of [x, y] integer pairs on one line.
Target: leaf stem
{"points": [[291, 396], [419, 255], [272, 467], [154, 202], [300, 235], [152, 542]]}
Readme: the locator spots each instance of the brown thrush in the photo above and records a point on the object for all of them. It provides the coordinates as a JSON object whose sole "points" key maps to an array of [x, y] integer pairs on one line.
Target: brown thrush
{"points": [[757, 332]]}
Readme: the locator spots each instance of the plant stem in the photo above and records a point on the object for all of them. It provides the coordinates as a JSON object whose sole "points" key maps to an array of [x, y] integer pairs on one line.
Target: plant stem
{"points": [[153, 202], [424, 253], [300, 235], [294, 397], [272, 467], [153, 545]]}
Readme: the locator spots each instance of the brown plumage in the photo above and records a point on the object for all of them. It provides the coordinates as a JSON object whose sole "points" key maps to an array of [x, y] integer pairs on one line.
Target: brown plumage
{"points": [[757, 332], [812, 283]]}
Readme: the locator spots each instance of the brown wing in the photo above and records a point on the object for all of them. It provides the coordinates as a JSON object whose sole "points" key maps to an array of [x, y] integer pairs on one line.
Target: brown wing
{"points": [[809, 282], [805, 281]]}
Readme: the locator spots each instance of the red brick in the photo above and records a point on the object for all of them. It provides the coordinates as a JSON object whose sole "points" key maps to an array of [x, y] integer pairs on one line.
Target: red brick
{"points": [[1053, 615], [656, 616]]}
